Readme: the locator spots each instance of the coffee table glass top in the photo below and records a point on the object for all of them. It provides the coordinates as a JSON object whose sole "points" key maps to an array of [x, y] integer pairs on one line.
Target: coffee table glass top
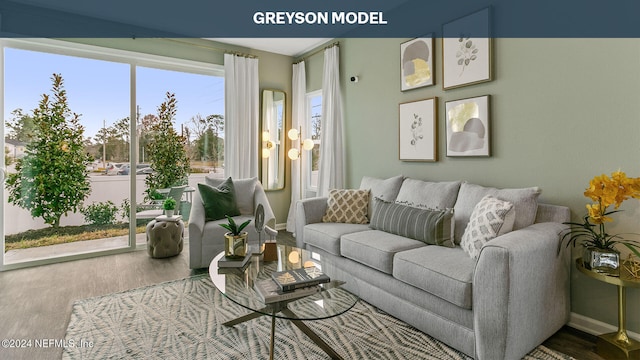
{"points": [[336, 297]]}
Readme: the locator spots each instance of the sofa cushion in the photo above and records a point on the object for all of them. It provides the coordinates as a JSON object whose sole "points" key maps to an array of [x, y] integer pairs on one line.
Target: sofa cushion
{"points": [[428, 195], [385, 189], [444, 272], [245, 190], [434, 227], [490, 218], [218, 201], [347, 206], [326, 236], [375, 248], [525, 202]]}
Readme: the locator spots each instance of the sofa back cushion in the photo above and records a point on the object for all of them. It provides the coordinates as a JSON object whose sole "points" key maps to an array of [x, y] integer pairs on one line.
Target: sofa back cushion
{"points": [[347, 206], [434, 227], [245, 191], [525, 203], [428, 195], [385, 189]]}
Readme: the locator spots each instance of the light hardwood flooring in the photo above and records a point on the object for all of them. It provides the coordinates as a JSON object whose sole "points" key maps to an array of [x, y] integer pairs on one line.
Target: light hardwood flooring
{"points": [[36, 303]]}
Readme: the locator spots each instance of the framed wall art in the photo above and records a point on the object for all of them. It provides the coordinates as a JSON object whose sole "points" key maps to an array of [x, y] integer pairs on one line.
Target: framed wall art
{"points": [[416, 62], [418, 131], [468, 127], [466, 50]]}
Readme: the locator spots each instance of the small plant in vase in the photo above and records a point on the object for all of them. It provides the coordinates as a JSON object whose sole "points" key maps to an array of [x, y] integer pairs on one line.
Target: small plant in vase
{"points": [[235, 241], [600, 253], [169, 206]]}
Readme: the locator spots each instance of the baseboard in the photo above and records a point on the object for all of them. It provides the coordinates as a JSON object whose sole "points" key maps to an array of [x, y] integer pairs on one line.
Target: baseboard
{"points": [[595, 327]]}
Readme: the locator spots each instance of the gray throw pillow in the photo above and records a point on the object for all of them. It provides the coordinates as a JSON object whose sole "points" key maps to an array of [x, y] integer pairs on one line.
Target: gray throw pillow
{"points": [[434, 227], [218, 201]]}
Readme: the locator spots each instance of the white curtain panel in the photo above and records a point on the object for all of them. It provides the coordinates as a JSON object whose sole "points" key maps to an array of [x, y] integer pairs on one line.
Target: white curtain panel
{"points": [[299, 113], [331, 171], [241, 116]]}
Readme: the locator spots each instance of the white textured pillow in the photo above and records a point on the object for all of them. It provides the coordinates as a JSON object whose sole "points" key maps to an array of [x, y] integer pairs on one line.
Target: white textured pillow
{"points": [[490, 218], [525, 202]]}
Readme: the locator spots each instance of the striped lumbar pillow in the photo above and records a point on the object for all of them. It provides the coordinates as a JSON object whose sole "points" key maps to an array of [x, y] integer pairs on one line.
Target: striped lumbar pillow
{"points": [[434, 227]]}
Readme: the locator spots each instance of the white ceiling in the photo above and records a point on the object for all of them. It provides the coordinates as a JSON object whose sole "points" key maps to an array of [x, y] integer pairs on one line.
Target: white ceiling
{"points": [[285, 46]]}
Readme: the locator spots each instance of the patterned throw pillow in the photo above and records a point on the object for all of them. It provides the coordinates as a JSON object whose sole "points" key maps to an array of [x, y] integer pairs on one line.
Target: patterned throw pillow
{"points": [[434, 227], [490, 218], [347, 206]]}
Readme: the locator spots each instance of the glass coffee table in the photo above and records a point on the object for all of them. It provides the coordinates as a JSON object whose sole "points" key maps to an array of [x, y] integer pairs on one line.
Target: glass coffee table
{"points": [[335, 297]]}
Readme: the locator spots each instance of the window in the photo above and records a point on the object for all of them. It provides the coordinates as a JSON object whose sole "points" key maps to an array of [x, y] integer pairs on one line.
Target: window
{"points": [[107, 88], [314, 124]]}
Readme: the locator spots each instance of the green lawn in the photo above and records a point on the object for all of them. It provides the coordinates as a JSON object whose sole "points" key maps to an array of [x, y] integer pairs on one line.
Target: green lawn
{"points": [[66, 234]]}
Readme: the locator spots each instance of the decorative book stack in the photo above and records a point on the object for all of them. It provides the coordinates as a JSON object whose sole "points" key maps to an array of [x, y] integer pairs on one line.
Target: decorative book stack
{"points": [[269, 292], [226, 262], [290, 280], [290, 284]]}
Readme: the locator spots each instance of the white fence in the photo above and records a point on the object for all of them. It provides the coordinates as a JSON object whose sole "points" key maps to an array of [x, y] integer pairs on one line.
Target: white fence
{"points": [[103, 188]]}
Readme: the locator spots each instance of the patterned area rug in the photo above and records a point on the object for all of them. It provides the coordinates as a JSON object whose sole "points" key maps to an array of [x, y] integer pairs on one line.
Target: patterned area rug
{"points": [[183, 319]]}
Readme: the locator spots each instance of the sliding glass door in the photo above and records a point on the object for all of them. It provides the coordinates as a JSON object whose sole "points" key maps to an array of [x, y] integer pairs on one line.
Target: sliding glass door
{"points": [[77, 167]]}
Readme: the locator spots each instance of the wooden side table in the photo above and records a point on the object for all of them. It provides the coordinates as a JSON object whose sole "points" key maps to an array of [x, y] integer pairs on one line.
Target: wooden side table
{"points": [[616, 345]]}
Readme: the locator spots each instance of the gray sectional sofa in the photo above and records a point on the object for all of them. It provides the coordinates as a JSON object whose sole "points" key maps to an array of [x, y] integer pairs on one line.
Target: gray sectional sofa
{"points": [[500, 305]]}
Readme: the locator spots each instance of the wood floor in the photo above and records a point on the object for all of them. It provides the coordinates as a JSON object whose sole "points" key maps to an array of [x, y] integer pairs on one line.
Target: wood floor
{"points": [[35, 303]]}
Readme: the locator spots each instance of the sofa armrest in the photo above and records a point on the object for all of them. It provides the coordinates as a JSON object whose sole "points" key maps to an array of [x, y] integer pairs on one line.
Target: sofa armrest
{"points": [[308, 211], [196, 229], [520, 291]]}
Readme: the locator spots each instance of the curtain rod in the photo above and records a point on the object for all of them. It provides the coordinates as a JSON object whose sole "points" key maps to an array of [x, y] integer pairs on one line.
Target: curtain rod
{"points": [[337, 43], [209, 47]]}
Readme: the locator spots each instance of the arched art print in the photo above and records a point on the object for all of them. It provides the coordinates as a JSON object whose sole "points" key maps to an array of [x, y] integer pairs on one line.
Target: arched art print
{"points": [[468, 131], [416, 61]]}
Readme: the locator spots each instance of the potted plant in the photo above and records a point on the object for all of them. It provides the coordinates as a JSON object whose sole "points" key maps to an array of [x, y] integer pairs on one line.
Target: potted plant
{"points": [[235, 241], [600, 253], [169, 206]]}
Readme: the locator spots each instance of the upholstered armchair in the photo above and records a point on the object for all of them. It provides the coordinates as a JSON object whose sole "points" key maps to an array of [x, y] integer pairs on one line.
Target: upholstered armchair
{"points": [[206, 238]]}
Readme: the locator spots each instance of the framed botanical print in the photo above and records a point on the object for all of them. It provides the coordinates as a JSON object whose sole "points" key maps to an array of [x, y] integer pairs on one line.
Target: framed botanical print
{"points": [[416, 63], [467, 127], [466, 50], [418, 131]]}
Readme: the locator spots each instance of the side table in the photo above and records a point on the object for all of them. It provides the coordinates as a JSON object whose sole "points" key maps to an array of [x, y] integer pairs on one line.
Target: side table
{"points": [[615, 345], [165, 236]]}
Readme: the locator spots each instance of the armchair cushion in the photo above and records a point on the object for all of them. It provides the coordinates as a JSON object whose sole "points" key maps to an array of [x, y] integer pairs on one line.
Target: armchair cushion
{"points": [[219, 201]]}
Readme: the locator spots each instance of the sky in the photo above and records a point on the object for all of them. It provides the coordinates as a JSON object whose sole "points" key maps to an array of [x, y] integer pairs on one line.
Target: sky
{"points": [[99, 90]]}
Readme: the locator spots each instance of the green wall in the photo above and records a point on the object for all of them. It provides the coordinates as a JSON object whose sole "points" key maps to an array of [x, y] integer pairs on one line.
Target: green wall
{"points": [[562, 111]]}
